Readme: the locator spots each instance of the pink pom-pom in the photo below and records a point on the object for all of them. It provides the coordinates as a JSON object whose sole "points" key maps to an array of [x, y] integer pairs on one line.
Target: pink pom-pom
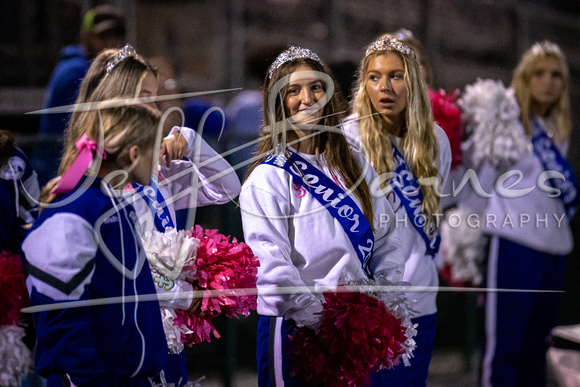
{"points": [[221, 266], [13, 293], [448, 116], [350, 345], [201, 326]]}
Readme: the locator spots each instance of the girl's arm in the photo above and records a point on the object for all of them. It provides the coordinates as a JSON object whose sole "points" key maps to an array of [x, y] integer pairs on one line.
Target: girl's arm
{"points": [[213, 177], [444, 156], [388, 259]]}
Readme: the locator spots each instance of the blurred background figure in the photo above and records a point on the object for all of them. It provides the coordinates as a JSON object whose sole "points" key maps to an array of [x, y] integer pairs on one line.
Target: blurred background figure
{"points": [[101, 27], [516, 135], [18, 190], [518, 324], [244, 112], [168, 85], [18, 183]]}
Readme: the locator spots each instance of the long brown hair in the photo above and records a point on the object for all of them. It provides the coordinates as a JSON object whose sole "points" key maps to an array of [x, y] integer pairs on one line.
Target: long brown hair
{"points": [[419, 141], [336, 149]]}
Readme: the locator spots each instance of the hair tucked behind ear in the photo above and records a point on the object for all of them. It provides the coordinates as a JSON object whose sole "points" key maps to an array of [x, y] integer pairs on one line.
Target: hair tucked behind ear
{"points": [[124, 81]]}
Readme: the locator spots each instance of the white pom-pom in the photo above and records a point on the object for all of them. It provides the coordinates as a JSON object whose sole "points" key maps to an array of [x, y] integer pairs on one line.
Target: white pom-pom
{"points": [[462, 247], [173, 333], [491, 120], [15, 358], [170, 251]]}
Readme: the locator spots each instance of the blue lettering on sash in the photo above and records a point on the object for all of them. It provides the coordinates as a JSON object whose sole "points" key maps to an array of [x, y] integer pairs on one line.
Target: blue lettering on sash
{"points": [[411, 197], [552, 160], [341, 206], [156, 203]]}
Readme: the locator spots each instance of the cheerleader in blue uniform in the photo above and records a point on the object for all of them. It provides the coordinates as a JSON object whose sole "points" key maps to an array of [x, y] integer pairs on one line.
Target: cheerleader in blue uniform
{"points": [[531, 235], [186, 159], [84, 247]]}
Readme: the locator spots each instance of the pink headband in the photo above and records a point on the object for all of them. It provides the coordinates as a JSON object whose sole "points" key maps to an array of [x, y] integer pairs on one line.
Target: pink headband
{"points": [[73, 175]]}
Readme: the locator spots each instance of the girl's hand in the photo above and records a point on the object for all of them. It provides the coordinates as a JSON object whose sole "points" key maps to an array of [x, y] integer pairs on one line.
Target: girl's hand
{"points": [[173, 147], [195, 306]]}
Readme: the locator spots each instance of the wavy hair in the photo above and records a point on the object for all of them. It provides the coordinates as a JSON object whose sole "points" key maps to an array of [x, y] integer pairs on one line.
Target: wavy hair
{"points": [[559, 112], [123, 81], [337, 151], [419, 141]]}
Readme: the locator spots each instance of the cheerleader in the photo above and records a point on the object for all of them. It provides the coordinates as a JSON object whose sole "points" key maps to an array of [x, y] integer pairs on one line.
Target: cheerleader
{"points": [[190, 173], [300, 238], [84, 247], [393, 125], [531, 233]]}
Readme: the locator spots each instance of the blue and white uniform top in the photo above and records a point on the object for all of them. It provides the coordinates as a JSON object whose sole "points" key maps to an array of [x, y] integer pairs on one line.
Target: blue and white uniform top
{"points": [[420, 267], [299, 243], [88, 249]]}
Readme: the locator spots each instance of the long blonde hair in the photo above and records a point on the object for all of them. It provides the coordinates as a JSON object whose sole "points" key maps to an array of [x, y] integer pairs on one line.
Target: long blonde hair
{"points": [[419, 141], [337, 151], [559, 113], [123, 81]]}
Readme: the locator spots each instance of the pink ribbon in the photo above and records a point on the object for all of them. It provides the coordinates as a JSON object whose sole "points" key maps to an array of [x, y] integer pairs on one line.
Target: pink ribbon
{"points": [[73, 175]]}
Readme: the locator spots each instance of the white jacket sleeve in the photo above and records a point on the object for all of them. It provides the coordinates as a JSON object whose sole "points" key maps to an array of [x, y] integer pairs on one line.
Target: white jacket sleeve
{"points": [[388, 259], [206, 177], [443, 157], [173, 291], [265, 218]]}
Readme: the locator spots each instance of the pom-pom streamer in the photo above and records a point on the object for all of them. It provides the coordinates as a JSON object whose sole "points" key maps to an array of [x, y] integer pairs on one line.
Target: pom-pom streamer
{"points": [[350, 346]]}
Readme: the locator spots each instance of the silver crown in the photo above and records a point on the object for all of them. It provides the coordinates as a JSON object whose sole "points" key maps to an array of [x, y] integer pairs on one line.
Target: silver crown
{"points": [[387, 44], [123, 54], [546, 47], [290, 54]]}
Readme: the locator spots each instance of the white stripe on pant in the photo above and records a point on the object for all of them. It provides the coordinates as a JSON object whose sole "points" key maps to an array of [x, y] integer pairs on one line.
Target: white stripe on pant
{"points": [[490, 312]]}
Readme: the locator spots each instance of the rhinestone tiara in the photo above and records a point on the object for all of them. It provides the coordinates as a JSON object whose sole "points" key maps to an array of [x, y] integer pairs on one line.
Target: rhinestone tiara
{"points": [[385, 43], [546, 47], [290, 54], [126, 52]]}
